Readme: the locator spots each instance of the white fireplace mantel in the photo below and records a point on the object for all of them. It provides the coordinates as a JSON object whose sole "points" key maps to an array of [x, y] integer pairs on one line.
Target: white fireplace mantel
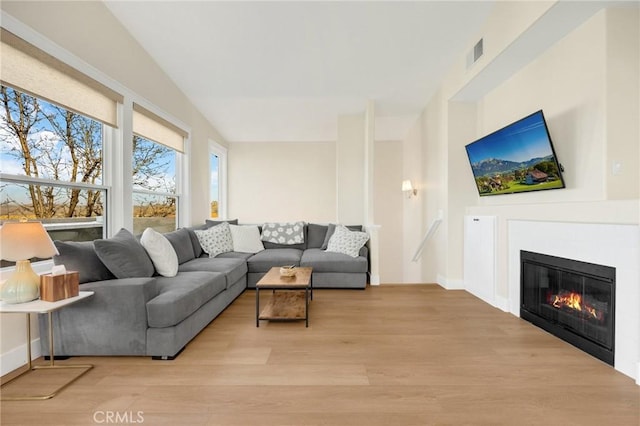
{"points": [[605, 244]]}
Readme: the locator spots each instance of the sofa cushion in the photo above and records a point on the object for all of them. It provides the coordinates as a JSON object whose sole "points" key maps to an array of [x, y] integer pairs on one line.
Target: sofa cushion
{"points": [[346, 241], [215, 240], [332, 228], [289, 233], [124, 256], [234, 255], [181, 242], [233, 269], [246, 238], [161, 252], [182, 295], [315, 235], [324, 261], [266, 259], [81, 257]]}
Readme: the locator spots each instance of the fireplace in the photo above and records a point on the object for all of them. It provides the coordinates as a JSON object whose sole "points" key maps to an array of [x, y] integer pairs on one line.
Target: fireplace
{"points": [[571, 299]]}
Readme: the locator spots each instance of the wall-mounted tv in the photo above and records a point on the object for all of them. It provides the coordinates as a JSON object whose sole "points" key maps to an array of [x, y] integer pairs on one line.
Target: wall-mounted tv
{"points": [[517, 158]]}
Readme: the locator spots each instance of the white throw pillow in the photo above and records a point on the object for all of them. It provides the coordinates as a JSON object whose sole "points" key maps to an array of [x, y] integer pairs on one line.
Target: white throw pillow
{"points": [[161, 252], [246, 238], [347, 242], [215, 240]]}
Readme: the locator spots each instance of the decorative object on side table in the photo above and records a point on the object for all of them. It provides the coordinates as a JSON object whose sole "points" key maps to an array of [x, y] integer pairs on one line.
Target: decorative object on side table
{"points": [[288, 271], [19, 242], [54, 287]]}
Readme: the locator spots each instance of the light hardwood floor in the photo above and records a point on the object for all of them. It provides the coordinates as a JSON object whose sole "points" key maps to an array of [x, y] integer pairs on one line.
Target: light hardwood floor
{"points": [[388, 355]]}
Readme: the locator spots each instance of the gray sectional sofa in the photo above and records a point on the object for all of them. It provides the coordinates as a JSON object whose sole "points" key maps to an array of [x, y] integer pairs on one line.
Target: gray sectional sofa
{"points": [[136, 311]]}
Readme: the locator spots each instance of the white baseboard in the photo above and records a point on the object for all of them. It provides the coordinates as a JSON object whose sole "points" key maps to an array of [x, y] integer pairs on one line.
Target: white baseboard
{"points": [[17, 357], [502, 303], [638, 374], [374, 279], [450, 284]]}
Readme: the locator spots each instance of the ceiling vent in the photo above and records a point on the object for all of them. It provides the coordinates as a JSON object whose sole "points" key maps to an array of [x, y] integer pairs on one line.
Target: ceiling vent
{"points": [[475, 54]]}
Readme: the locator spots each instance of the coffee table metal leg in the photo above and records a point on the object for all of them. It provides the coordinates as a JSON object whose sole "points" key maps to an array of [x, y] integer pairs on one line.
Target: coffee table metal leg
{"points": [[306, 306], [257, 307]]}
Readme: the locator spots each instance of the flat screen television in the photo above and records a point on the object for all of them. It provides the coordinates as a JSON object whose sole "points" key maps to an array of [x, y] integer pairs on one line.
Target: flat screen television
{"points": [[517, 158]]}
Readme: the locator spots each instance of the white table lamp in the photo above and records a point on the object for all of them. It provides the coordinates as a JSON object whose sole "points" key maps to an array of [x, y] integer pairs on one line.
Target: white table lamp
{"points": [[19, 242]]}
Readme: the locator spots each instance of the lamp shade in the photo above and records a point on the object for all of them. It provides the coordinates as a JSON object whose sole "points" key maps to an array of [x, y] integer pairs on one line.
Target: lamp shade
{"points": [[406, 185], [25, 240]]}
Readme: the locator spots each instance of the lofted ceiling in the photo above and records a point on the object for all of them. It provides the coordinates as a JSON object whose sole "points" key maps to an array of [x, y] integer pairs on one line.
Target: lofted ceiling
{"points": [[284, 71]]}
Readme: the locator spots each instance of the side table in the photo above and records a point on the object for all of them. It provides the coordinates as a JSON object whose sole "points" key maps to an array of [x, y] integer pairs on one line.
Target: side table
{"points": [[42, 307]]}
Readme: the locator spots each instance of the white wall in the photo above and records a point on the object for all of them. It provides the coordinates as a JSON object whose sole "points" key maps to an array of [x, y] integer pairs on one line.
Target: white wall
{"points": [[589, 107], [387, 201], [413, 220], [282, 181], [350, 169], [570, 85], [567, 82]]}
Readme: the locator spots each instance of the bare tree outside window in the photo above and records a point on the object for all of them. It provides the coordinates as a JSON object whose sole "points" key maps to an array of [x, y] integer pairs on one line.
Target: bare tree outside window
{"points": [[154, 183], [51, 161], [43, 141]]}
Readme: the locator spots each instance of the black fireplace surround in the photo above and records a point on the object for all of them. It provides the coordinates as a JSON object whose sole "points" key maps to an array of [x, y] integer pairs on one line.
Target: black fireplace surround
{"points": [[571, 299]]}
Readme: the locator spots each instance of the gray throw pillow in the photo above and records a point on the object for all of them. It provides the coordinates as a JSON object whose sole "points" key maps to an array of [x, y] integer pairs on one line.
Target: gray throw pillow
{"points": [[315, 235], [81, 256], [124, 256], [182, 244], [332, 228], [211, 223]]}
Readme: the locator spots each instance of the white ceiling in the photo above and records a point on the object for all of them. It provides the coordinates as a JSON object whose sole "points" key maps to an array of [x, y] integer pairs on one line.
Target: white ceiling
{"points": [[284, 71]]}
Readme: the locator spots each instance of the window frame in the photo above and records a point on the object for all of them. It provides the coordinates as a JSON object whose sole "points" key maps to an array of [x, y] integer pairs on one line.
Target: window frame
{"points": [[182, 183], [107, 134]]}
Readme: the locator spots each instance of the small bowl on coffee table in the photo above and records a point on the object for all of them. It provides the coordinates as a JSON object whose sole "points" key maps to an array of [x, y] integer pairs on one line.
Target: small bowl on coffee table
{"points": [[288, 271]]}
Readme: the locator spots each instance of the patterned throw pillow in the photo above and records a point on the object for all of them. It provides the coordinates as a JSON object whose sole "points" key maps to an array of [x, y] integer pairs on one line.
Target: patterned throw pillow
{"points": [[347, 242], [216, 239], [283, 233]]}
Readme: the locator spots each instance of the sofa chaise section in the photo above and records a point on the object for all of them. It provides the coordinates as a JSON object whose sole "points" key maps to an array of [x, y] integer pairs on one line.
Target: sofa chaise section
{"points": [[150, 315]]}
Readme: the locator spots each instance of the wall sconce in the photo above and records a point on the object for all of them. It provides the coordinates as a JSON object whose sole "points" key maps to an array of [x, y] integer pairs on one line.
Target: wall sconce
{"points": [[408, 189]]}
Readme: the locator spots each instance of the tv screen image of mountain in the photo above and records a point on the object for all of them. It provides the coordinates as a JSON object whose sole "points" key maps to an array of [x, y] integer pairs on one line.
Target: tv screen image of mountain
{"points": [[516, 158]]}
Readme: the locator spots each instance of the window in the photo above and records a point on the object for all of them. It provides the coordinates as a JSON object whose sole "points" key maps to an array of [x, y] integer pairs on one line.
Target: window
{"points": [[217, 179], [61, 151], [157, 147], [214, 185], [154, 186], [51, 165], [54, 121]]}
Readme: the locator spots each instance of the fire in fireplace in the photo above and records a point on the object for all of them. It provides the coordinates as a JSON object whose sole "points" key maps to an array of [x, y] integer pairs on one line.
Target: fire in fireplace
{"points": [[571, 299]]}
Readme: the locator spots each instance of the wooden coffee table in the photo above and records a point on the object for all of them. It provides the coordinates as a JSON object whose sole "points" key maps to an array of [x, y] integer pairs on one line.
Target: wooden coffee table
{"points": [[290, 305]]}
